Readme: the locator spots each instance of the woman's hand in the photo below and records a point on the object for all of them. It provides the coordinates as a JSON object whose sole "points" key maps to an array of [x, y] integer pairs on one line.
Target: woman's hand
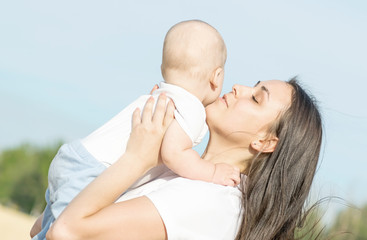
{"points": [[148, 130], [154, 88]]}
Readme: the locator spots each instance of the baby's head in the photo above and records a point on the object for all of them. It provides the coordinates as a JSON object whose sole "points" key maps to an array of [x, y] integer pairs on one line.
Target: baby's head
{"points": [[194, 55]]}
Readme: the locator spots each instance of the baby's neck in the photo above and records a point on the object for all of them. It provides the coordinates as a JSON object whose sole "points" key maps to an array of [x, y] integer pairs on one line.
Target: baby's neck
{"points": [[193, 86]]}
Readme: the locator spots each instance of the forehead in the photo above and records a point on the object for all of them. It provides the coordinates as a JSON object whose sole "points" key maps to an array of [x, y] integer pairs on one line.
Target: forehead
{"points": [[280, 92]]}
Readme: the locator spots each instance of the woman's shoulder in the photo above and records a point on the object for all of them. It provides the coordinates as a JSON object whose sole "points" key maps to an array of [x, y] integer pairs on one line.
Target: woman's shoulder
{"points": [[170, 185], [183, 186], [197, 209], [177, 187], [198, 195]]}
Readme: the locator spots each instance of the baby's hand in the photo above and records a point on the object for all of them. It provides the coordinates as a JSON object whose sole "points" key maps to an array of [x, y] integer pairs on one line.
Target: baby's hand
{"points": [[227, 175]]}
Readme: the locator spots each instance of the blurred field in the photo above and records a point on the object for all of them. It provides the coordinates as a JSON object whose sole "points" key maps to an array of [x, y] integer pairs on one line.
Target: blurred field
{"points": [[14, 225]]}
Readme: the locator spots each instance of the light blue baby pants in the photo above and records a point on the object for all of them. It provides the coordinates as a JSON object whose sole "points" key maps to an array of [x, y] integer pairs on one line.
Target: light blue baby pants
{"points": [[72, 169]]}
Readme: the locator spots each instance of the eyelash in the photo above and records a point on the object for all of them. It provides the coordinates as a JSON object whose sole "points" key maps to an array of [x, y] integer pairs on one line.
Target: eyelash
{"points": [[253, 98]]}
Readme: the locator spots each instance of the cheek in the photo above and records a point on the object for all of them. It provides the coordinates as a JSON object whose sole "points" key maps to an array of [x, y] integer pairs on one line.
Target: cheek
{"points": [[218, 91], [241, 123], [243, 118], [235, 127], [246, 119]]}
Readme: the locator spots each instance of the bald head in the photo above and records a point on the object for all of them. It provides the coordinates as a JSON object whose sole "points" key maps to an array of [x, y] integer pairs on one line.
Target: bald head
{"points": [[193, 48]]}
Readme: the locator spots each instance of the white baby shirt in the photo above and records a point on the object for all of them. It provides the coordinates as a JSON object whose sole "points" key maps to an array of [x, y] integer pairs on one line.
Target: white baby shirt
{"points": [[108, 143]]}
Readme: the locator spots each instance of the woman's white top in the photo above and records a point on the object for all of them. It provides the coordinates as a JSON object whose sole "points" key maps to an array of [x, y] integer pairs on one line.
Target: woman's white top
{"points": [[192, 209]]}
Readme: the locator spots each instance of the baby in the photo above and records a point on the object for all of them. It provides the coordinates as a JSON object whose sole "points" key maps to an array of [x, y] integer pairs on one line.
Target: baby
{"points": [[194, 55]]}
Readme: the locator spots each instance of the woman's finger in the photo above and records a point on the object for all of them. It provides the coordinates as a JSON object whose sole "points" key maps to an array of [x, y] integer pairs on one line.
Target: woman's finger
{"points": [[154, 88], [147, 111], [136, 119], [160, 108]]}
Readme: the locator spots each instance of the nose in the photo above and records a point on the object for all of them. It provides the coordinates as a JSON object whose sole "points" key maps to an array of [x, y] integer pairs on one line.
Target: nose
{"points": [[239, 90]]}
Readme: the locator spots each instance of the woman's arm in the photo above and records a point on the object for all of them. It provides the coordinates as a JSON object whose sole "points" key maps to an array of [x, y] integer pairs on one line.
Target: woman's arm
{"points": [[93, 213]]}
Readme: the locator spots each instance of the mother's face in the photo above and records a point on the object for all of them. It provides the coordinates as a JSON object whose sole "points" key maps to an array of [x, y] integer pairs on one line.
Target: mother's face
{"points": [[246, 113]]}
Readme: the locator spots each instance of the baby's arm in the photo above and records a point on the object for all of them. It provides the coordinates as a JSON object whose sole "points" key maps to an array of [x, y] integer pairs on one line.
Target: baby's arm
{"points": [[178, 155]]}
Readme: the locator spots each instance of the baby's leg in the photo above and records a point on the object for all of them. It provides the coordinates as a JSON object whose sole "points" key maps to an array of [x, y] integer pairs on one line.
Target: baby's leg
{"points": [[72, 169], [37, 226], [43, 222]]}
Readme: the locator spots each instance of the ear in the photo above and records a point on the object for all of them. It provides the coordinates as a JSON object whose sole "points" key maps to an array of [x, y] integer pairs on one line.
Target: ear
{"points": [[215, 80], [265, 146]]}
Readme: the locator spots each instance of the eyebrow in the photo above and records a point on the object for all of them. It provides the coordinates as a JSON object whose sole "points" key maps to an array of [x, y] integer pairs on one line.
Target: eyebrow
{"points": [[263, 88]]}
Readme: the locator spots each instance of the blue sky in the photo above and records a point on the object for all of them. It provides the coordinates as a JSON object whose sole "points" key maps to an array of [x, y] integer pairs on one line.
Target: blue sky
{"points": [[66, 67]]}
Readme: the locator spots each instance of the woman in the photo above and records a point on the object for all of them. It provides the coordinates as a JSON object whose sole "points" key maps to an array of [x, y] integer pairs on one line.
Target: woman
{"points": [[271, 131]]}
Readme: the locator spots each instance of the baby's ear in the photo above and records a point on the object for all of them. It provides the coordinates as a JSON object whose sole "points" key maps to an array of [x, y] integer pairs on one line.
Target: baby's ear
{"points": [[215, 80]]}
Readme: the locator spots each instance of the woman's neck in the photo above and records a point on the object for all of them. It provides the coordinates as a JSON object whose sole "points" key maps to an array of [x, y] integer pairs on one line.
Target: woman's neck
{"points": [[224, 152]]}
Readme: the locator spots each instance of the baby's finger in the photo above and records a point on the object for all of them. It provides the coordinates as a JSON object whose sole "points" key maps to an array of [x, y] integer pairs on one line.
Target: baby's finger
{"points": [[169, 116], [160, 109], [236, 179], [147, 111], [136, 119], [230, 183]]}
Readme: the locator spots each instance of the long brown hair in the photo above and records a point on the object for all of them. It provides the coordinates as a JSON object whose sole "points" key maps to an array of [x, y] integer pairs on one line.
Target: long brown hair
{"points": [[278, 183]]}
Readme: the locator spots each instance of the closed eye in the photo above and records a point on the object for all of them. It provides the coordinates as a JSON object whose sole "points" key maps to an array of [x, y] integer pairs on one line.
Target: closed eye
{"points": [[253, 98]]}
